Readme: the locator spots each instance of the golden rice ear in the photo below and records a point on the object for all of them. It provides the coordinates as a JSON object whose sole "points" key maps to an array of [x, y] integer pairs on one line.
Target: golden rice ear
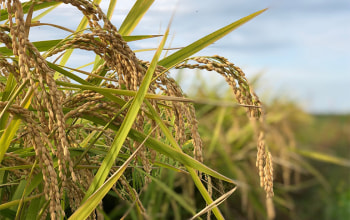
{"points": [[245, 96], [33, 68]]}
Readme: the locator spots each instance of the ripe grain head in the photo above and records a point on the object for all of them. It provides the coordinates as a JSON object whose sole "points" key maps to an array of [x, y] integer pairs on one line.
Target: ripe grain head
{"points": [[245, 96]]}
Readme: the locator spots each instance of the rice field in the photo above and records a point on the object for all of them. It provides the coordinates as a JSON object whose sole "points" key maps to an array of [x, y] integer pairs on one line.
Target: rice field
{"points": [[121, 140]]}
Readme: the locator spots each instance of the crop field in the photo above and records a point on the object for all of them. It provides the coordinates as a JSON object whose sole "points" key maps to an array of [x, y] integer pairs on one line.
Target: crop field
{"points": [[117, 138]]}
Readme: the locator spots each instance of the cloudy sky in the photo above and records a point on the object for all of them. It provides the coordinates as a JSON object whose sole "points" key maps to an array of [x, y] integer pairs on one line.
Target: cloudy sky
{"points": [[302, 48]]}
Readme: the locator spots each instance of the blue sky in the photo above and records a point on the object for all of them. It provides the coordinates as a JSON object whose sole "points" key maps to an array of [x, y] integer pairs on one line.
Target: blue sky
{"points": [[301, 47]]}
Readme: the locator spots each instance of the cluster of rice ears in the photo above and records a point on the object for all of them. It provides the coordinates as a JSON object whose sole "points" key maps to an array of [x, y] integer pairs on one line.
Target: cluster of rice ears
{"points": [[67, 141]]}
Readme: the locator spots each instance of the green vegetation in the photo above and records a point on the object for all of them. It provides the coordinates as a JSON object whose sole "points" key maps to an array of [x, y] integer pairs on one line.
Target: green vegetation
{"points": [[122, 141]]}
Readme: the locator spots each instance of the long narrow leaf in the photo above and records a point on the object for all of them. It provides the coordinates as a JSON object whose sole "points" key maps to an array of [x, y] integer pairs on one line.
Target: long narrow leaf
{"points": [[194, 176], [45, 45], [123, 92], [81, 26], [95, 199], [47, 11], [166, 150], [217, 202], [17, 201], [10, 86], [170, 192], [323, 157], [26, 6], [72, 76], [134, 16], [12, 127], [111, 7], [193, 48], [178, 156]]}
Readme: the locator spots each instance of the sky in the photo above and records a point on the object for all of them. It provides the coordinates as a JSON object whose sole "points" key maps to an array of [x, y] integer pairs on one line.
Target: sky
{"points": [[300, 48]]}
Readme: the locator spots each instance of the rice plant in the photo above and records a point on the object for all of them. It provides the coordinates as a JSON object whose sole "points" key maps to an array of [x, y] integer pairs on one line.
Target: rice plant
{"points": [[70, 137]]}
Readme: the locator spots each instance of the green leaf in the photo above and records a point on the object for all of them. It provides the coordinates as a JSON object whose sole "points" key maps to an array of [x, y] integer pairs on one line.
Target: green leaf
{"points": [[45, 45], [173, 195], [17, 201], [134, 16], [165, 150], [12, 98], [216, 203], [12, 127], [94, 200], [193, 48], [123, 92], [68, 74], [34, 207], [139, 37], [26, 6], [217, 130], [177, 155], [323, 157], [81, 26], [18, 192], [205, 194], [9, 88], [111, 7], [47, 11], [72, 76], [40, 45]]}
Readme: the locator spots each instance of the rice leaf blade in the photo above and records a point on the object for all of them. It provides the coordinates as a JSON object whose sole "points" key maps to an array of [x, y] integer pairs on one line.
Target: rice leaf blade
{"points": [[195, 178], [200, 44], [134, 16], [94, 200], [47, 11], [46, 45], [166, 150], [323, 157], [26, 6]]}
